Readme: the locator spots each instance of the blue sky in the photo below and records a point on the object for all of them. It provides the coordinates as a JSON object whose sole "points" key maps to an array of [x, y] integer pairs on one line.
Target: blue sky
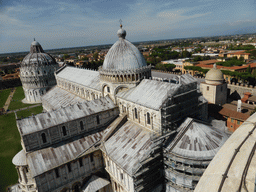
{"points": [[59, 24]]}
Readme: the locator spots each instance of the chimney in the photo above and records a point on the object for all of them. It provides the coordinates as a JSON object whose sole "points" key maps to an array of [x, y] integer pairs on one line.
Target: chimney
{"points": [[239, 106]]}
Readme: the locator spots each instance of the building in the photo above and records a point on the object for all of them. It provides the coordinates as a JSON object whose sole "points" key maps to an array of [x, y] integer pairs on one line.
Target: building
{"points": [[239, 54], [177, 62], [214, 89], [105, 130], [37, 73]]}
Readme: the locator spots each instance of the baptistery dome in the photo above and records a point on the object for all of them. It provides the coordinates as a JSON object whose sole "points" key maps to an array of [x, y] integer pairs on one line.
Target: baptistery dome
{"points": [[123, 55], [37, 73], [37, 56]]}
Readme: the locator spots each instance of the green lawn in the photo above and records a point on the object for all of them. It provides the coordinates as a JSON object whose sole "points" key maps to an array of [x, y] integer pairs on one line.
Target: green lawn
{"points": [[3, 96], [29, 112], [9, 147], [17, 98]]}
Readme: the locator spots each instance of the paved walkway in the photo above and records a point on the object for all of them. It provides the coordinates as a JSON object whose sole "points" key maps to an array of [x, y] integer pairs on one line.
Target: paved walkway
{"points": [[8, 101], [24, 108]]}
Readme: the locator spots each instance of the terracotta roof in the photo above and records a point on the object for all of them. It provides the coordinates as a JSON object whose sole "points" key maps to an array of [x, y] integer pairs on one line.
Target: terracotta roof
{"points": [[207, 62], [234, 114], [209, 66], [239, 53]]}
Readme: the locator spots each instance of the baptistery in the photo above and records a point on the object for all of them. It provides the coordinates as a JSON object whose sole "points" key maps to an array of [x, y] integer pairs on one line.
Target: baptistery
{"points": [[37, 73]]}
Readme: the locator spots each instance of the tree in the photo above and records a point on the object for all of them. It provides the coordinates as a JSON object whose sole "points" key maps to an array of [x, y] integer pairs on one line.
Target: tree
{"points": [[169, 67], [249, 70], [185, 54], [95, 55], [65, 56]]}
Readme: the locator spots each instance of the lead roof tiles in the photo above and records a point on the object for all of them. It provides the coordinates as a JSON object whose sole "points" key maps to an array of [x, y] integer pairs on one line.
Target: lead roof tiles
{"points": [[58, 97], [130, 144], [197, 140], [87, 78], [52, 118], [43, 160]]}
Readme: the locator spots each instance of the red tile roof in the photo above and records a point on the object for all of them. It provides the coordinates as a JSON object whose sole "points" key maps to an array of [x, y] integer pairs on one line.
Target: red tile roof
{"points": [[234, 114]]}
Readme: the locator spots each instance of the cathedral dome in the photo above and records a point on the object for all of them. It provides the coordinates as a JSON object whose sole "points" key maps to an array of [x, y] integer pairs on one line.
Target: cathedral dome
{"points": [[37, 56], [123, 55], [214, 76]]}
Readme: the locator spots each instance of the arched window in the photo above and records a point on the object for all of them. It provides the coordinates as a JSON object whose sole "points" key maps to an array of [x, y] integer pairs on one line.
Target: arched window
{"points": [[148, 118], [135, 113], [108, 89], [44, 137], [81, 125], [64, 131], [98, 119]]}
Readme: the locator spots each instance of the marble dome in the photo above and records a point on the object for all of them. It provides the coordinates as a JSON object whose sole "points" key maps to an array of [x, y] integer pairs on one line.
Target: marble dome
{"points": [[37, 56], [123, 55], [214, 76]]}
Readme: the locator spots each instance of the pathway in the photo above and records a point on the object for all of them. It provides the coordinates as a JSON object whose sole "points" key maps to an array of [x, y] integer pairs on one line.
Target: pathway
{"points": [[24, 108], [8, 101]]}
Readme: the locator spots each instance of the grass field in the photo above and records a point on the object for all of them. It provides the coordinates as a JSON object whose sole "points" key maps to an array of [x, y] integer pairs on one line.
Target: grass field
{"points": [[29, 112], [17, 98], [3, 96], [9, 147]]}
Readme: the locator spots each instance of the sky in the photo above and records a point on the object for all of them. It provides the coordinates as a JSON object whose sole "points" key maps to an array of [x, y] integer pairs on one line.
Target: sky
{"points": [[75, 23]]}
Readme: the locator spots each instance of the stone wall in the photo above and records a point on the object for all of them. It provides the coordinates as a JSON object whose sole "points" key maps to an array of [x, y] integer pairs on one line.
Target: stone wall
{"points": [[237, 90]]}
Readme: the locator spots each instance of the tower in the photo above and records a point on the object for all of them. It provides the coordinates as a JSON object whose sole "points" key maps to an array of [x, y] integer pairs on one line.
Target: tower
{"points": [[215, 88], [37, 73]]}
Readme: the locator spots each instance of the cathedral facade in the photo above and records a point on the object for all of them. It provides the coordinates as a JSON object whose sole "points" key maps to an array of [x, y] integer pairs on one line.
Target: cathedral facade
{"points": [[106, 130]]}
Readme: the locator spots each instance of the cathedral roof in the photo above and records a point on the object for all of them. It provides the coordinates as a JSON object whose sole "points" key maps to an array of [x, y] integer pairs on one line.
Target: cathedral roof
{"points": [[44, 160], [128, 146], [43, 121], [37, 56], [150, 93], [123, 55], [58, 97], [87, 78], [197, 140]]}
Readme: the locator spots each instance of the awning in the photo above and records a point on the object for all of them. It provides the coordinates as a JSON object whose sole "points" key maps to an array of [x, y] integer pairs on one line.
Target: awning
{"points": [[94, 184]]}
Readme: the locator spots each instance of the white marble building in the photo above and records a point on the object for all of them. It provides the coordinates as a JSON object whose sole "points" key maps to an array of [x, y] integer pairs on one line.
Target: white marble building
{"points": [[37, 73], [105, 130]]}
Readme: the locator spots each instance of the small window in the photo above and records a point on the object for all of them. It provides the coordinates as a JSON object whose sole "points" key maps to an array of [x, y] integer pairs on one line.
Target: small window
{"points": [[44, 137], [44, 72], [135, 113], [232, 120], [64, 131], [91, 157], [238, 122], [69, 167], [207, 88], [98, 119], [148, 118], [57, 172], [81, 162], [81, 125], [122, 176], [108, 89], [46, 82]]}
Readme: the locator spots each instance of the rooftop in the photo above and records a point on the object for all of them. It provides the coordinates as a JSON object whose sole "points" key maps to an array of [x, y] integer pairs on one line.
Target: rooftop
{"points": [[49, 119], [197, 140]]}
